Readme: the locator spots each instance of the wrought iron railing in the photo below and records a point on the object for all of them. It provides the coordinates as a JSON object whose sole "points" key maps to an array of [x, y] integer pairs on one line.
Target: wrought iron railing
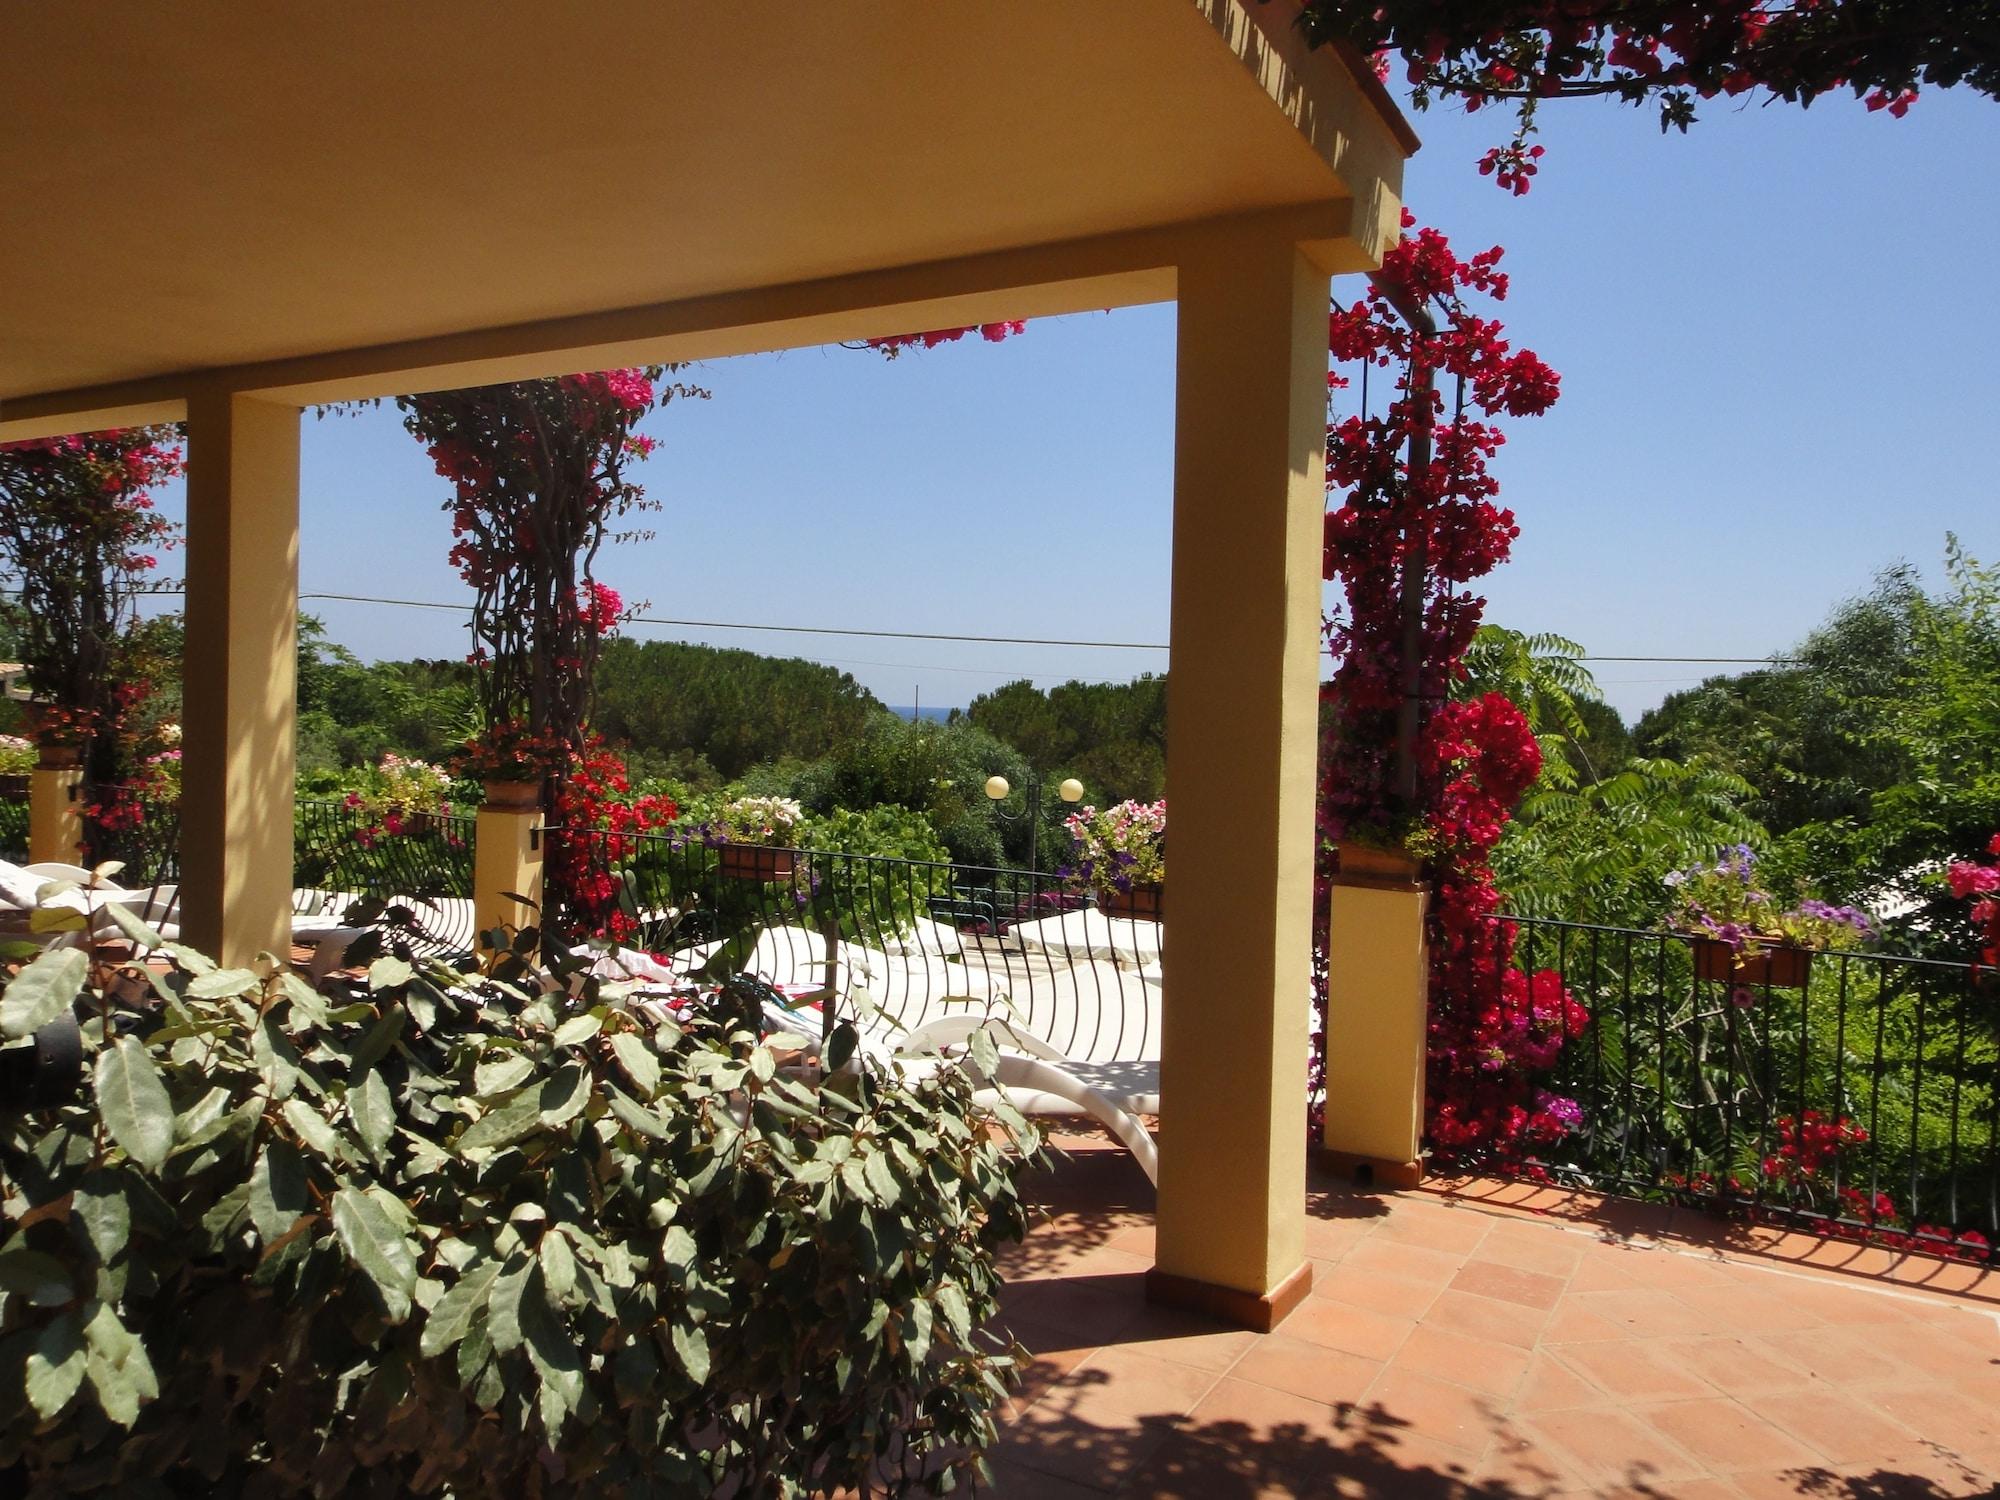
{"points": [[911, 939], [1693, 1079], [14, 830], [340, 855]]}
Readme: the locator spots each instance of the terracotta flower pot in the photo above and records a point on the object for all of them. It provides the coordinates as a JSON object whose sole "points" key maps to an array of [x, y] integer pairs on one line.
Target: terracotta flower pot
{"points": [[1773, 964], [1374, 862], [61, 757], [513, 796], [1146, 899], [755, 862]]}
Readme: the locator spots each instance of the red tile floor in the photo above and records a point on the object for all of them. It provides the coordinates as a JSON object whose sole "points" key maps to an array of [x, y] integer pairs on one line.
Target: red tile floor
{"points": [[1481, 1340]]}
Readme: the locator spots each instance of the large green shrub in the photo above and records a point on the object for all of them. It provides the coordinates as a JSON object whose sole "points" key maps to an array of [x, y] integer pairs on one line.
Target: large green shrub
{"points": [[454, 1238]]}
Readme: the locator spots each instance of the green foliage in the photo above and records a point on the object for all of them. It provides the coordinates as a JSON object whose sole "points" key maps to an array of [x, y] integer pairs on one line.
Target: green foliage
{"points": [[939, 770], [1112, 736], [733, 708], [1601, 851], [1872, 755], [454, 1235]]}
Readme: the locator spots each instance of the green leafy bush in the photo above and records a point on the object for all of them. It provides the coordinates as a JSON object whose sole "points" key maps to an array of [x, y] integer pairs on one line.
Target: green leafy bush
{"points": [[454, 1237]]}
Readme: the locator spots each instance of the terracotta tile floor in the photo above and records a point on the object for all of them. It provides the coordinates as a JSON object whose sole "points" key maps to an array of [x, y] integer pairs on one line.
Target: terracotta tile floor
{"points": [[1492, 1341]]}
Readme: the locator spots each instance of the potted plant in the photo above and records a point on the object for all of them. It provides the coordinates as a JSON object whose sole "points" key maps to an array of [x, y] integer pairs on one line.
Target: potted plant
{"points": [[511, 763], [753, 835], [405, 798], [1743, 936], [17, 759], [1120, 855]]}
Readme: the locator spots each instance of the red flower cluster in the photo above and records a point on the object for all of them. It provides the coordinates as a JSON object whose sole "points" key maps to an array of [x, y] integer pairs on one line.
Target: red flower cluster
{"points": [[1671, 51], [1981, 884], [1492, 1028], [993, 333], [1809, 1144], [596, 823]]}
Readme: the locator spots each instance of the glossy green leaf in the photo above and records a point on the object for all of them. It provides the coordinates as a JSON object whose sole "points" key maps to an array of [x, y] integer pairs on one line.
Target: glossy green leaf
{"points": [[56, 1365], [577, 1029], [42, 991], [640, 1062], [221, 984], [452, 1318], [379, 1246], [691, 1349], [133, 1102], [373, 1113]]}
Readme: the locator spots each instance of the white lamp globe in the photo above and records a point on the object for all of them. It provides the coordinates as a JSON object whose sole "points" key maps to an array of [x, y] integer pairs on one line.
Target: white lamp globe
{"points": [[1071, 790], [997, 787]]}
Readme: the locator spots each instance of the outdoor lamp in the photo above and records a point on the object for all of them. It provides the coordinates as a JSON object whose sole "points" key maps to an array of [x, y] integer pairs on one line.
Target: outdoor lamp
{"points": [[1071, 790], [997, 788]]}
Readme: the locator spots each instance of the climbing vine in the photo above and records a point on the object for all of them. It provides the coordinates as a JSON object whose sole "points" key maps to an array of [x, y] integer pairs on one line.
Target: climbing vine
{"points": [[1412, 521], [80, 532]]}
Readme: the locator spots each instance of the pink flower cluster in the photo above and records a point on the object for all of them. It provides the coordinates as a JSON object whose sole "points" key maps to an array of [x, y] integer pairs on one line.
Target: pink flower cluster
{"points": [[1981, 885]]}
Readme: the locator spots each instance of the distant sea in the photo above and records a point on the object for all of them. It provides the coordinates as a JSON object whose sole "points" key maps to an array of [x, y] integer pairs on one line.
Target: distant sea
{"points": [[928, 712]]}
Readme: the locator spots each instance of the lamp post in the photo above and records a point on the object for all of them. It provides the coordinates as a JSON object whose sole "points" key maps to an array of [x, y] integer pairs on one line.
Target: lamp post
{"points": [[998, 790]]}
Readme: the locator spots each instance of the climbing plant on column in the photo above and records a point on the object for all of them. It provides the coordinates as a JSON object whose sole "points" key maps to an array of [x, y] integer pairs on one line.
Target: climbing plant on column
{"points": [[80, 532], [538, 474], [1412, 507]]}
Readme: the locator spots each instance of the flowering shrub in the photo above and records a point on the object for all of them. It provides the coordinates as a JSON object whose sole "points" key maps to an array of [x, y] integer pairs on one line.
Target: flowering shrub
{"points": [[510, 751], [399, 798], [79, 532], [18, 756], [1117, 848], [1491, 1028], [1522, 52], [1723, 901], [757, 820], [596, 820], [1981, 884]]}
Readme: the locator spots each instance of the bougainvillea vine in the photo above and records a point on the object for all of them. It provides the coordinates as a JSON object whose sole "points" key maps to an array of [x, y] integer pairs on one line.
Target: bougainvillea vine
{"points": [[1520, 53], [80, 531], [1413, 499]]}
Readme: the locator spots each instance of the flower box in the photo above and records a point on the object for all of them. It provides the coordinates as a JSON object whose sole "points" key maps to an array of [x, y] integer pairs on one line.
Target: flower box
{"points": [[1375, 862], [1145, 899], [1773, 964], [513, 796], [755, 862]]}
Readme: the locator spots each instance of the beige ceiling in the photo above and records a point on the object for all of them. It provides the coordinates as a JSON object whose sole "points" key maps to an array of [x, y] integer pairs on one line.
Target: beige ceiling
{"points": [[208, 184]]}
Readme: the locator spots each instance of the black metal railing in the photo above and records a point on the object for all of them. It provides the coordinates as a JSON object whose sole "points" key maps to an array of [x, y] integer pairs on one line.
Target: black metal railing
{"points": [[14, 830], [1863, 1096], [340, 855], [913, 940]]}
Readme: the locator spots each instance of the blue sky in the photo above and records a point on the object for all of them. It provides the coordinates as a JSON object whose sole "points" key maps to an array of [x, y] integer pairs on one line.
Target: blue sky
{"points": [[1775, 336]]}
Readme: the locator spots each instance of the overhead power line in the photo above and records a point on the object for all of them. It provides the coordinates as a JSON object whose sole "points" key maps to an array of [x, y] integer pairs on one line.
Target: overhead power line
{"points": [[983, 640]]}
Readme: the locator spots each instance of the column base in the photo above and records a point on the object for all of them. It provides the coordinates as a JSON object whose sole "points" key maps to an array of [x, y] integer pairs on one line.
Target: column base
{"points": [[1228, 1304], [1371, 1171]]}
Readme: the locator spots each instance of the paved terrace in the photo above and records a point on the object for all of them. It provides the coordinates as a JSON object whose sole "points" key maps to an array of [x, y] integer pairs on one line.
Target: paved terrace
{"points": [[1494, 1341]]}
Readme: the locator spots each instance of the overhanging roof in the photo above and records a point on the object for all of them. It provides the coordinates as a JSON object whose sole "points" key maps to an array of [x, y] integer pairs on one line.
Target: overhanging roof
{"points": [[208, 185]]}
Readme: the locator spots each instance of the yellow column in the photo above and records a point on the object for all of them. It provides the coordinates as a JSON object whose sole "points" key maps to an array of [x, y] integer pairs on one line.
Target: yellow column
{"points": [[1242, 709], [507, 856], [240, 675], [55, 813], [1377, 981]]}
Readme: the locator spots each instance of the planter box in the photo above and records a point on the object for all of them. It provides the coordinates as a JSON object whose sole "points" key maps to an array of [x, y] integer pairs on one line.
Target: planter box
{"points": [[1372, 862], [513, 796], [1147, 901], [755, 862], [1779, 967]]}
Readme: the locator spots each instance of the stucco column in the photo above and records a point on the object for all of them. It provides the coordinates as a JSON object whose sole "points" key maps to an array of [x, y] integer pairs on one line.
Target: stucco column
{"points": [[55, 811], [1242, 711], [1377, 987], [240, 676], [507, 856]]}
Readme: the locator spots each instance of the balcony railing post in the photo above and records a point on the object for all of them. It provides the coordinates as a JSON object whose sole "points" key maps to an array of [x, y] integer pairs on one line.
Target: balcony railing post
{"points": [[55, 810], [1378, 978], [507, 856]]}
